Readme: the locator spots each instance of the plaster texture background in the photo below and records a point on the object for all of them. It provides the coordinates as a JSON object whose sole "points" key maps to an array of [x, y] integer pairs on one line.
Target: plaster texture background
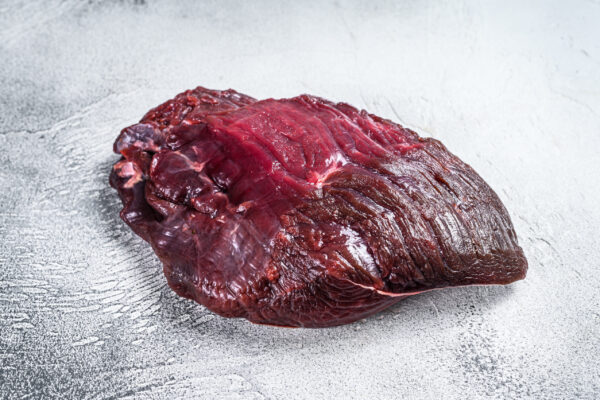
{"points": [[511, 87]]}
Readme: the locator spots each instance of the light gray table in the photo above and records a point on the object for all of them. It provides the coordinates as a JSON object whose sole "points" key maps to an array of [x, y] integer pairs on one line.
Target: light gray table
{"points": [[512, 87]]}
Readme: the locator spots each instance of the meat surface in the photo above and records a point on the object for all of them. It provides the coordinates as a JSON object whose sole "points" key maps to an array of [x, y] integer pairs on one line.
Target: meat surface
{"points": [[304, 212]]}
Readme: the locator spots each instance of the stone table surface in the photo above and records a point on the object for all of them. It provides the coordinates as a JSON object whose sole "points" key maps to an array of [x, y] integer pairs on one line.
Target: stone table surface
{"points": [[511, 87]]}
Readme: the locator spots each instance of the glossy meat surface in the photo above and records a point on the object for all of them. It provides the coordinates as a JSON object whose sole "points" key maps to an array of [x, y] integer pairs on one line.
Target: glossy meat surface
{"points": [[303, 212]]}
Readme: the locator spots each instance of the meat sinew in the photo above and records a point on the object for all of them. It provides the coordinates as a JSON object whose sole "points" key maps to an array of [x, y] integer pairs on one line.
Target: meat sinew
{"points": [[304, 212]]}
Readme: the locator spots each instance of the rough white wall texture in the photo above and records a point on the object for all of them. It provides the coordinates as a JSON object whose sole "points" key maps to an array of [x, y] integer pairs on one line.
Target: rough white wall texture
{"points": [[511, 87]]}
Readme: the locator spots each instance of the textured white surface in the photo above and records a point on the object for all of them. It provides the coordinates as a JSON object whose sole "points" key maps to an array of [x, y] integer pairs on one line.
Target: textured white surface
{"points": [[512, 88]]}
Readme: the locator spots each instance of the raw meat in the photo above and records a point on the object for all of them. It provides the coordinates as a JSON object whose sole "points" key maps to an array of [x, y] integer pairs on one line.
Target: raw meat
{"points": [[304, 212]]}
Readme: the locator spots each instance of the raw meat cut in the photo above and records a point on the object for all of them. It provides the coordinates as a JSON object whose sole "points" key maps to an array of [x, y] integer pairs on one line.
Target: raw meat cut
{"points": [[304, 212]]}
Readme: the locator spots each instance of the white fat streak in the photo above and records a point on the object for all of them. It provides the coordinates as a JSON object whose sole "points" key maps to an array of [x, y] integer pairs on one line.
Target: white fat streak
{"points": [[336, 161]]}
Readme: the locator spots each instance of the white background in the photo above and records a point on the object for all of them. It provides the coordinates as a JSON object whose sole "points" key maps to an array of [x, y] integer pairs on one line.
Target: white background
{"points": [[511, 87]]}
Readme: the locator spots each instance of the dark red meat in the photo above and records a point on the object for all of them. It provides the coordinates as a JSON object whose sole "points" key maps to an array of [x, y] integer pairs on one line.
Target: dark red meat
{"points": [[304, 212]]}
